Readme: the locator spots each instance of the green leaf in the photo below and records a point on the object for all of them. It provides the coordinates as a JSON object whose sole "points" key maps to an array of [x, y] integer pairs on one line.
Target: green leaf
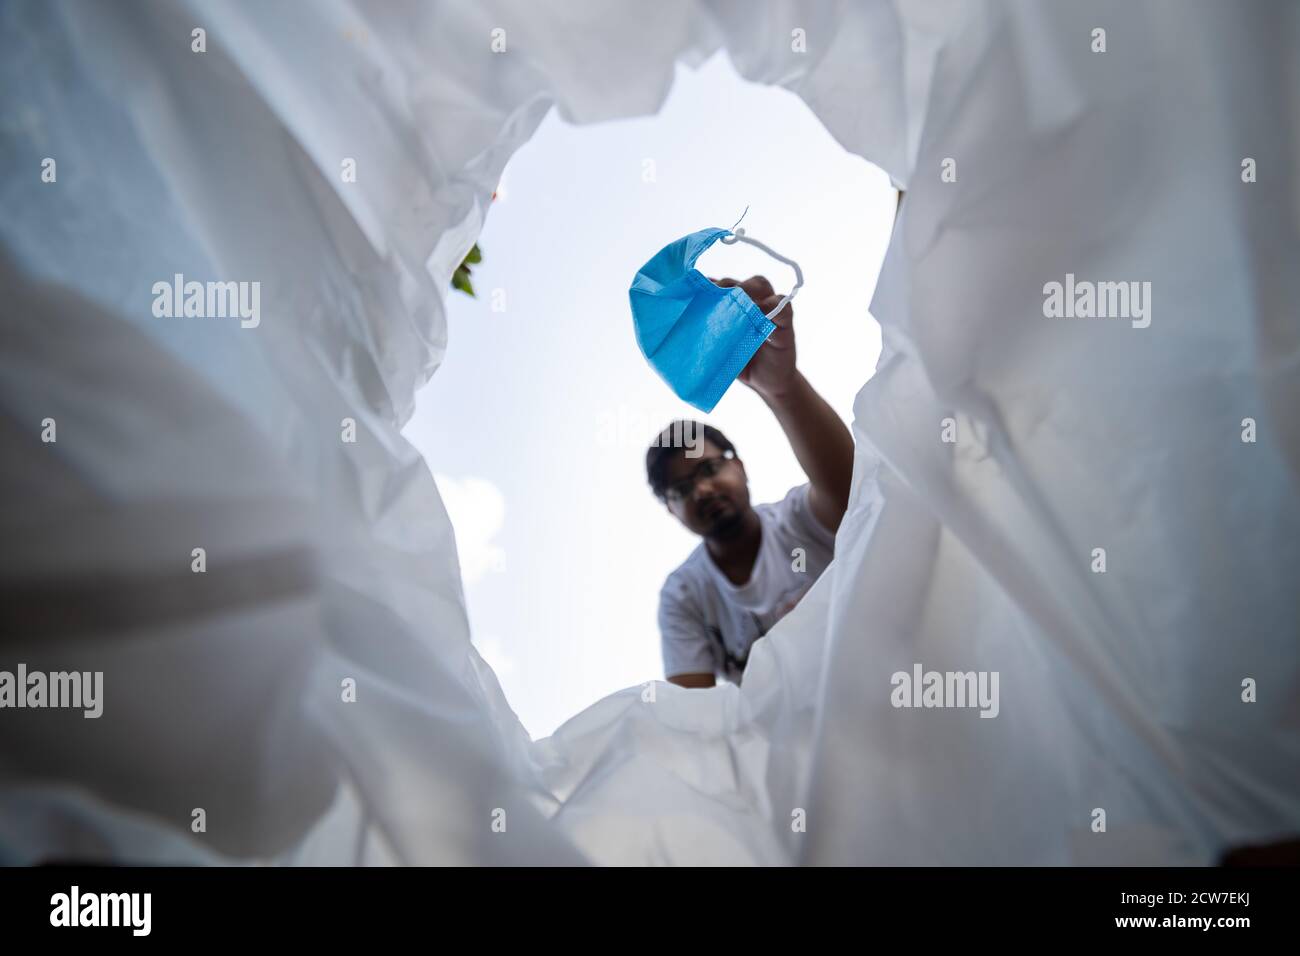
{"points": [[474, 256], [460, 280]]}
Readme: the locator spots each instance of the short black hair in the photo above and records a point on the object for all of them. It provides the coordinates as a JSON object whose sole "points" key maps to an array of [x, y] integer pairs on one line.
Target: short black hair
{"points": [[672, 440]]}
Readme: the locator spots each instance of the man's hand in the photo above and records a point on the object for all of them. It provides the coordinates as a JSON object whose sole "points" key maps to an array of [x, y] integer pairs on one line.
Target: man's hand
{"points": [[771, 372]]}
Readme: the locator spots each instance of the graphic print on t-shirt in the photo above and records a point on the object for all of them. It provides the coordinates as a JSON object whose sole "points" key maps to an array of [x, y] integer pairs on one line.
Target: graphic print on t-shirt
{"points": [[733, 664]]}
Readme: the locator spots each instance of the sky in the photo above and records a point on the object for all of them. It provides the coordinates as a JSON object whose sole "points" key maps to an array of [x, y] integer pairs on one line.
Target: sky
{"points": [[537, 422]]}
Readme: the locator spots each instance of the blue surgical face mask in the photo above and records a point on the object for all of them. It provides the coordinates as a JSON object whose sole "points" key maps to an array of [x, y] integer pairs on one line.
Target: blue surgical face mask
{"points": [[696, 335]]}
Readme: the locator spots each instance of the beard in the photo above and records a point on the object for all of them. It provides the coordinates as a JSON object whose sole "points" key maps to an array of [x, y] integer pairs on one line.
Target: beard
{"points": [[727, 523]]}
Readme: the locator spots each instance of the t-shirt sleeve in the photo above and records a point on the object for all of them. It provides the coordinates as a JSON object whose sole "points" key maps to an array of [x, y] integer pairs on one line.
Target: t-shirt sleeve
{"points": [[799, 524], [685, 639]]}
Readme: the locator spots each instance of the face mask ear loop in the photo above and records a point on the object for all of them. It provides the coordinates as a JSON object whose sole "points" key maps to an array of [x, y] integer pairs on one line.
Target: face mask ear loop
{"points": [[739, 236]]}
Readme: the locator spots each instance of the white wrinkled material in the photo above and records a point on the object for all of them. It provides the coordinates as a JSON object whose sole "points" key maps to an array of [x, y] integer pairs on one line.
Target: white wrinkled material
{"points": [[328, 560]]}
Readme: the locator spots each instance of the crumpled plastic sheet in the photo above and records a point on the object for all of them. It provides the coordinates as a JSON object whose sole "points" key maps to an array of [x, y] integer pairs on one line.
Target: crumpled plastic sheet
{"points": [[328, 560]]}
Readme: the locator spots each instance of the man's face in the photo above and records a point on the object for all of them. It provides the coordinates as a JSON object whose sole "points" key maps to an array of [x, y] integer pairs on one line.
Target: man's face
{"points": [[716, 501]]}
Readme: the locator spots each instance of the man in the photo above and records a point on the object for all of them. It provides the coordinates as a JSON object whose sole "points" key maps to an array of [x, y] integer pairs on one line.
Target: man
{"points": [[755, 562]]}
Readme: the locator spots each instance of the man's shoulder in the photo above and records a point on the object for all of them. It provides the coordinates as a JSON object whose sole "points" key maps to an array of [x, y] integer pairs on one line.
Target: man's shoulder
{"points": [[682, 583], [793, 516], [793, 501]]}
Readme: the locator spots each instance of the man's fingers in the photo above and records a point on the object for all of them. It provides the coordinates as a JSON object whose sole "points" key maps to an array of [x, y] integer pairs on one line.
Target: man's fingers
{"points": [[784, 319], [757, 288], [760, 290]]}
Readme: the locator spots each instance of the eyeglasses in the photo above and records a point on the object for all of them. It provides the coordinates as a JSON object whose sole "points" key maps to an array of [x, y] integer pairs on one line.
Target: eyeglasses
{"points": [[679, 491]]}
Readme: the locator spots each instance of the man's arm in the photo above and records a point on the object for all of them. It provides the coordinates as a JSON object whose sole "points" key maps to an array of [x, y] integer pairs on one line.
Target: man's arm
{"points": [[822, 444], [819, 439], [688, 654]]}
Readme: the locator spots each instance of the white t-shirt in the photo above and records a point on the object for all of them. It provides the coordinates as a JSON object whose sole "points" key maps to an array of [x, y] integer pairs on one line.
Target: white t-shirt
{"points": [[707, 624]]}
